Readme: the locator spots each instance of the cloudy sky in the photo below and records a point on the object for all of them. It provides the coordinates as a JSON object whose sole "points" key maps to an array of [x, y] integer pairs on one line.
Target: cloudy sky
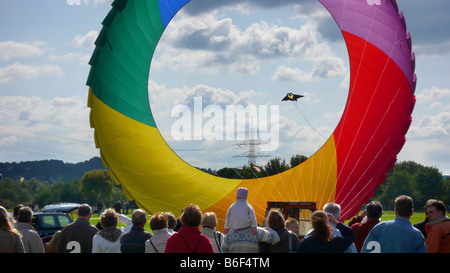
{"points": [[226, 53]]}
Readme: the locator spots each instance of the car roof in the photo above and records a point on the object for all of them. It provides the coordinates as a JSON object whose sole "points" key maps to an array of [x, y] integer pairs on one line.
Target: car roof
{"points": [[62, 207]]}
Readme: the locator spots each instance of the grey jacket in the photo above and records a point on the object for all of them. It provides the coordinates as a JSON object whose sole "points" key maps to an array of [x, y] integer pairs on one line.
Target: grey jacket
{"points": [[30, 238]]}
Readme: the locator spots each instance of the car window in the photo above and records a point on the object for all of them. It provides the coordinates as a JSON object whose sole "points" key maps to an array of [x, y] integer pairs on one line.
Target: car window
{"points": [[63, 220], [48, 221]]}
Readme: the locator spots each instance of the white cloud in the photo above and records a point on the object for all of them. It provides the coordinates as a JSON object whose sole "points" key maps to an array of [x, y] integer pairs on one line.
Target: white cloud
{"points": [[207, 44], [432, 126], [324, 67], [86, 40], [61, 125], [429, 152], [88, 2], [210, 95], [17, 72], [10, 50], [432, 50], [81, 59], [434, 93]]}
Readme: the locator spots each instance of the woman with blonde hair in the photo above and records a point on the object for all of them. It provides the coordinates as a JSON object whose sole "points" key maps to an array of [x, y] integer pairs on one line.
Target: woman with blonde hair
{"points": [[322, 240], [10, 238], [209, 224]]}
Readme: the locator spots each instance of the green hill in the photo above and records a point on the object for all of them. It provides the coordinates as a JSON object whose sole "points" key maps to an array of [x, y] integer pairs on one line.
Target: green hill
{"points": [[49, 170]]}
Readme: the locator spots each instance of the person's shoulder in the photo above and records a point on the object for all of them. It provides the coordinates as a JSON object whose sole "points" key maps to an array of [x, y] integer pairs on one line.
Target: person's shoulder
{"points": [[356, 227], [204, 237], [148, 234]]}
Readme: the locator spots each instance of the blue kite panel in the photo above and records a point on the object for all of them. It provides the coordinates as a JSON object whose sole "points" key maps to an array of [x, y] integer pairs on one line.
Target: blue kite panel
{"points": [[168, 9]]}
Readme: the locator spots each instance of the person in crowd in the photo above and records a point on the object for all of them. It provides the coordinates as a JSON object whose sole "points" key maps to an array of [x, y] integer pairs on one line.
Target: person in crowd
{"points": [[322, 239], [77, 236], [397, 235], [134, 240], [361, 228], [335, 209], [10, 238], [188, 239], [293, 225], [157, 243], [16, 211], [124, 207], [240, 222], [99, 207], [118, 206], [288, 240], [421, 225], [179, 224], [171, 222], [107, 240], [30, 238], [241, 214], [244, 241], [50, 247], [438, 228], [209, 224]]}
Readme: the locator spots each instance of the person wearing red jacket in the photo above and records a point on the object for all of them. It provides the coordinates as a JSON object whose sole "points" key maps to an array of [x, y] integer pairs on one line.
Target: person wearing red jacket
{"points": [[188, 239], [373, 211]]}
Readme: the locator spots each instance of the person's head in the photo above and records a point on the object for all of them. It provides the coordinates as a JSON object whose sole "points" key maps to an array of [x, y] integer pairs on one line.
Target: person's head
{"points": [[25, 215], [84, 211], [171, 220], [322, 230], [374, 210], [209, 219], [16, 210], [241, 193], [6, 222], [109, 218], [434, 210], [293, 225], [334, 209], [404, 206], [158, 221], [139, 218], [192, 216], [275, 219]]}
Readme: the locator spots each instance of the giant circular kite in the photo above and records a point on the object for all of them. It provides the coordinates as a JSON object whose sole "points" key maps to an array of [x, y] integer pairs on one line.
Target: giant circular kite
{"points": [[346, 169]]}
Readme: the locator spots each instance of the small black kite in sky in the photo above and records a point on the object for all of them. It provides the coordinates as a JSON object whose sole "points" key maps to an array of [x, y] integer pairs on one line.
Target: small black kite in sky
{"points": [[292, 97]]}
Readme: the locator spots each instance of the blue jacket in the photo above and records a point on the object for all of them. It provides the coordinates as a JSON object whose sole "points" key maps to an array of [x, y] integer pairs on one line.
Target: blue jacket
{"points": [[395, 236]]}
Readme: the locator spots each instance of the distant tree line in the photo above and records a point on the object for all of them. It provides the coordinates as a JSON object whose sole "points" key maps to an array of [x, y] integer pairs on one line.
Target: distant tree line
{"points": [[93, 186], [410, 178], [273, 166], [49, 170]]}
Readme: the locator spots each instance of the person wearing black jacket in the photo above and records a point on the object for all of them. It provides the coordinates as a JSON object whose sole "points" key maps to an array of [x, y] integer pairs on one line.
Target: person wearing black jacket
{"points": [[134, 240], [322, 240], [77, 236]]}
